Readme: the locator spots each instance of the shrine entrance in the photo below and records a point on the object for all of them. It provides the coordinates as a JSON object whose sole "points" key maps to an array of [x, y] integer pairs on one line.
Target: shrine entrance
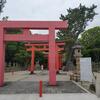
{"points": [[51, 26], [44, 47]]}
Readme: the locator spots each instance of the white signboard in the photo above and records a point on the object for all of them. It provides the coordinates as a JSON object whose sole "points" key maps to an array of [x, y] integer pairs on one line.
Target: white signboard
{"points": [[86, 69]]}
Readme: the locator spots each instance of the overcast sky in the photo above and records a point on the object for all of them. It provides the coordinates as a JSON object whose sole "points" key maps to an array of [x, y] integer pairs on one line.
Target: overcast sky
{"points": [[45, 9]]}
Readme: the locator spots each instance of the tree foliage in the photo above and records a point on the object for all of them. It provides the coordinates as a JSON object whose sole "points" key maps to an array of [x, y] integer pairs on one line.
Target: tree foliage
{"points": [[39, 56], [90, 40], [78, 19], [16, 52]]}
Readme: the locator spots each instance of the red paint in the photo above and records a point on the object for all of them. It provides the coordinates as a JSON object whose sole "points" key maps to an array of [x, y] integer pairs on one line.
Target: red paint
{"points": [[52, 53], [2, 50], [57, 59], [32, 61], [61, 43], [40, 88], [26, 36], [33, 48], [35, 24], [60, 61]]}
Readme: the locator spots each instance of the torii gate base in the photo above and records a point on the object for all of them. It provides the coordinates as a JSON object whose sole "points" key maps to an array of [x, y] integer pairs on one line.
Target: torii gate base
{"points": [[25, 36]]}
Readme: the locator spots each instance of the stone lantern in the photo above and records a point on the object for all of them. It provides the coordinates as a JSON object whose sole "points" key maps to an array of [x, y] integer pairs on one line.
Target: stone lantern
{"points": [[77, 54]]}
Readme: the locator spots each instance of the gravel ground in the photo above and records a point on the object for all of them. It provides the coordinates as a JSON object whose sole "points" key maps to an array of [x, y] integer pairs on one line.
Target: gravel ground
{"points": [[27, 87], [21, 82]]}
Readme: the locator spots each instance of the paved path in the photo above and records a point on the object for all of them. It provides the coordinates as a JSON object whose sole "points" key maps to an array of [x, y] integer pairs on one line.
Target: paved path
{"points": [[24, 76], [25, 87], [23, 83], [49, 97]]}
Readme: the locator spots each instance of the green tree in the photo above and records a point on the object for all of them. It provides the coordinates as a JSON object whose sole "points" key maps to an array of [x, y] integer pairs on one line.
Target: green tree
{"points": [[90, 40], [39, 56], [15, 51], [22, 57], [78, 19]]}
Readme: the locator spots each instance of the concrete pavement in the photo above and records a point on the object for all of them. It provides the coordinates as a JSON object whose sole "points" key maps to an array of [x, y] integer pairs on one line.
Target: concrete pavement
{"points": [[79, 96], [23, 76]]}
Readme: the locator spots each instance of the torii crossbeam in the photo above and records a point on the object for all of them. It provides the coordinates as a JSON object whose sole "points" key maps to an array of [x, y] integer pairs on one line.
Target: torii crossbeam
{"points": [[32, 47], [51, 26]]}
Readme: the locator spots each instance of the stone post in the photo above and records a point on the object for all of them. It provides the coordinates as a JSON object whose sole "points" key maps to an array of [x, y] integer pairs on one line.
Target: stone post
{"points": [[98, 85]]}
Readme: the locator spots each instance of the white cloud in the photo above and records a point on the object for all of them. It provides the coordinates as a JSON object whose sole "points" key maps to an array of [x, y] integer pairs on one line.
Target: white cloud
{"points": [[44, 9]]}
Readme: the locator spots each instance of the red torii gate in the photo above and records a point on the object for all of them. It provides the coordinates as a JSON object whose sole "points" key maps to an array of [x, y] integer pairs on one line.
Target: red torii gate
{"points": [[26, 36], [36, 47]]}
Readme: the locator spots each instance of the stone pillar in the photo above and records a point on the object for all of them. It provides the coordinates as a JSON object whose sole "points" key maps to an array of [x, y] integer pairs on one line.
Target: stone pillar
{"points": [[52, 56], [78, 64], [77, 55], [98, 85]]}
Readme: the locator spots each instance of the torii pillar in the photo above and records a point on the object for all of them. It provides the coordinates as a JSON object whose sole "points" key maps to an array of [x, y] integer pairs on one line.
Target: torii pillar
{"points": [[32, 61], [32, 67], [2, 56], [25, 36], [57, 60], [60, 61], [52, 56]]}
